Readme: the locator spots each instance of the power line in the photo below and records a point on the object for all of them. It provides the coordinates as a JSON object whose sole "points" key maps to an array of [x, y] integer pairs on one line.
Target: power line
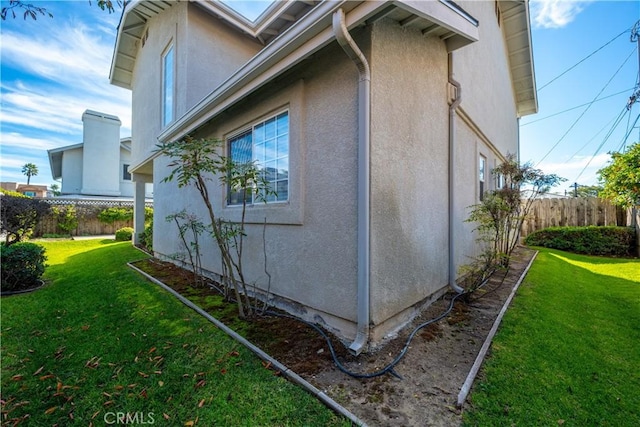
{"points": [[615, 119], [582, 60], [600, 147], [588, 107], [576, 107]]}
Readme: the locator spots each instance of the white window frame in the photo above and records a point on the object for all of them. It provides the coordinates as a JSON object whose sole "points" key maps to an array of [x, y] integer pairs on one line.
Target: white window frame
{"points": [[278, 138], [168, 88]]}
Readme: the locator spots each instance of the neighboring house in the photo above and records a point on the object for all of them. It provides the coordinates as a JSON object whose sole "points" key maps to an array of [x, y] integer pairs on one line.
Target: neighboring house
{"points": [[99, 165], [28, 190], [378, 121]]}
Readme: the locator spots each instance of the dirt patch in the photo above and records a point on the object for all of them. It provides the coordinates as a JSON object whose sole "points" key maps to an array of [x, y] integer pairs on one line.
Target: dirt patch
{"points": [[432, 371]]}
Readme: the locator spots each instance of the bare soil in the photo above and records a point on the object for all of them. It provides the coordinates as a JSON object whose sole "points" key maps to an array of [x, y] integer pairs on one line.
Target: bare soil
{"points": [[432, 371]]}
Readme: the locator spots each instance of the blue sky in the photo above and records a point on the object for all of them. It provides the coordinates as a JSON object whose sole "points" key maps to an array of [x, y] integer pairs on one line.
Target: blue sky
{"points": [[54, 69]]}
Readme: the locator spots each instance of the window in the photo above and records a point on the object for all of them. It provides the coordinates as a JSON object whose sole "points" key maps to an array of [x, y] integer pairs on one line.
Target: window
{"points": [[266, 144], [126, 176], [167, 86], [498, 177], [30, 193], [482, 170]]}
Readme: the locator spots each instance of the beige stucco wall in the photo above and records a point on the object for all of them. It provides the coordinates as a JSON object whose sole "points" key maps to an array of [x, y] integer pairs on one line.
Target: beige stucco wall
{"points": [[482, 69], [206, 53], [409, 155], [310, 240]]}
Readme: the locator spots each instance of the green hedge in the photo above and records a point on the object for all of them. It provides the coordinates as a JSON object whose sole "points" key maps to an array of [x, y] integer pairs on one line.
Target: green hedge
{"points": [[23, 264], [591, 240], [123, 234]]}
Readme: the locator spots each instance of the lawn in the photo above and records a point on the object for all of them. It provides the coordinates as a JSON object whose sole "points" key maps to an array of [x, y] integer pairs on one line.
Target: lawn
{"points": [[568, 350], [99, 342]]}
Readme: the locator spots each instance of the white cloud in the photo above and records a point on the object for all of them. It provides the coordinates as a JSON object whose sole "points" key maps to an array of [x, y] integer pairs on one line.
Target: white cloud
{"points": [[556, 13], [15, 139], [572, 168]]}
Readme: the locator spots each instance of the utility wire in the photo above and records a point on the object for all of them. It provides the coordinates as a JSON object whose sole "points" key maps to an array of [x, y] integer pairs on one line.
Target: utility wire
{"points": [[576, 107], [586, 109], [615, 119], [582, 60], [624, 140], [600, 147]]}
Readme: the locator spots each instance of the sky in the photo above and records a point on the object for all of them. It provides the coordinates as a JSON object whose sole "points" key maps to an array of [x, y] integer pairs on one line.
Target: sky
{"points": [[54, 69]]}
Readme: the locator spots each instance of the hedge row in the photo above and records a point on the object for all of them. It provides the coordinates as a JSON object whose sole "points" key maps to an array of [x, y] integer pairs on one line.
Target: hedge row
{"points": [[591, 240]]}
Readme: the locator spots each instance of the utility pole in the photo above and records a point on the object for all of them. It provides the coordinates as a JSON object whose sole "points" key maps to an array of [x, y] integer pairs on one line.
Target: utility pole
{"points": [[575, 189]]}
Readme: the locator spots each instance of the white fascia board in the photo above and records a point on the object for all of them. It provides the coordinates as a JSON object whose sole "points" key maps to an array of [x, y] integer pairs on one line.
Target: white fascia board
{"points": [[65, 148], [127, 8], [443, 14]]}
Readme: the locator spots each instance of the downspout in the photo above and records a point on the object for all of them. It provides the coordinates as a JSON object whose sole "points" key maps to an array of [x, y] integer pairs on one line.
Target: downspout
{"points": [[452, 167], [364, 128]]}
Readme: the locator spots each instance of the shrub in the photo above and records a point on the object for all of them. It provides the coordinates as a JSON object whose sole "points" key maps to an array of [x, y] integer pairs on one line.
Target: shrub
{"points": [[114, 215], [20, 216], [22, 265], [146, 237], [123, 234], [67, 218], [591, 240]]}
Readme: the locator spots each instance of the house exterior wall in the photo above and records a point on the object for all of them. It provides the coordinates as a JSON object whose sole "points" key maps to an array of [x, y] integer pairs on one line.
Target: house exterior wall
{"points": [[126, 186], [100, 152], [409, 179], [206, 53], [311, 239], [479, 129], [72, 161]]}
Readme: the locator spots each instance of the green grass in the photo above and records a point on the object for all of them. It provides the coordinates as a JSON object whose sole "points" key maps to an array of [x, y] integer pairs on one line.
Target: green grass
{"points": [[99, 339], [568, 350]]}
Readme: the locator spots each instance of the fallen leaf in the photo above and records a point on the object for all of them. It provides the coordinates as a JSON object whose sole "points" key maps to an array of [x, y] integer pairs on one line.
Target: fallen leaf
{"points": [[234, 353], [160, 383], [107, 403], [85, 327], [118, 387], [132, 385], [46, 377], [560, 422], [95, 414], [189, 423], [142, 374], [38, 371], [143, 393], [152, 350], [165, 416], [201, 403], [17, 377], [200, 383], [51, 410]]}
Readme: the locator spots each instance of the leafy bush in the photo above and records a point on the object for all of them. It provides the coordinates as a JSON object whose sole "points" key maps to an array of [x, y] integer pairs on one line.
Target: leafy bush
{"points": [[67, 218], [123, 234], [20, 216], [591, 240], [146, 237], [23, 264], [113, 215]]}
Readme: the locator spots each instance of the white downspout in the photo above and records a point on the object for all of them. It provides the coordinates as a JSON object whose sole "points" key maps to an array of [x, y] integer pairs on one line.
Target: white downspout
{"points": [[364, 128], [452, 167]]}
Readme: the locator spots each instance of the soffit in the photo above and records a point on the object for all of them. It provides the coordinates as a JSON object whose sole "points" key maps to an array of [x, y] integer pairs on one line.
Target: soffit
{"points": [[517, 30], [130, 32]]}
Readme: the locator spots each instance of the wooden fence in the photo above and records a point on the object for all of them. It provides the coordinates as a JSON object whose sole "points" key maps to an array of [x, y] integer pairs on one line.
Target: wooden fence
{"points": [[573, 212], [87, 211]]}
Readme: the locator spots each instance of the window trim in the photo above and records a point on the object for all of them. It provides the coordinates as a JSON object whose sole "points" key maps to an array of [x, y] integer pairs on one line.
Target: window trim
{"points": [[164, 120], [250, 128], [125, 169]]}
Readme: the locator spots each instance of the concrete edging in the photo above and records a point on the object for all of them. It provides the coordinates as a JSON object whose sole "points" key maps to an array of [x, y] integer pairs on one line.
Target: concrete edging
{"points": [[466, 387], [288, 373]]}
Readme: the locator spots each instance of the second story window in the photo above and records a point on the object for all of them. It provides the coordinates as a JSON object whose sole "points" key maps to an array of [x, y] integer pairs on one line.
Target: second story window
{"points": [[482, 171], [168, 78]]}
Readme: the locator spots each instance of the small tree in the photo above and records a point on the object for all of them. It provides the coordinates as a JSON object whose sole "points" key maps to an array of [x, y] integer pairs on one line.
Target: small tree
{"points": [[500, 215], [67, 218], [29, 169], [20, 215], [116, 216], [621, 178], [196, 162]]}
